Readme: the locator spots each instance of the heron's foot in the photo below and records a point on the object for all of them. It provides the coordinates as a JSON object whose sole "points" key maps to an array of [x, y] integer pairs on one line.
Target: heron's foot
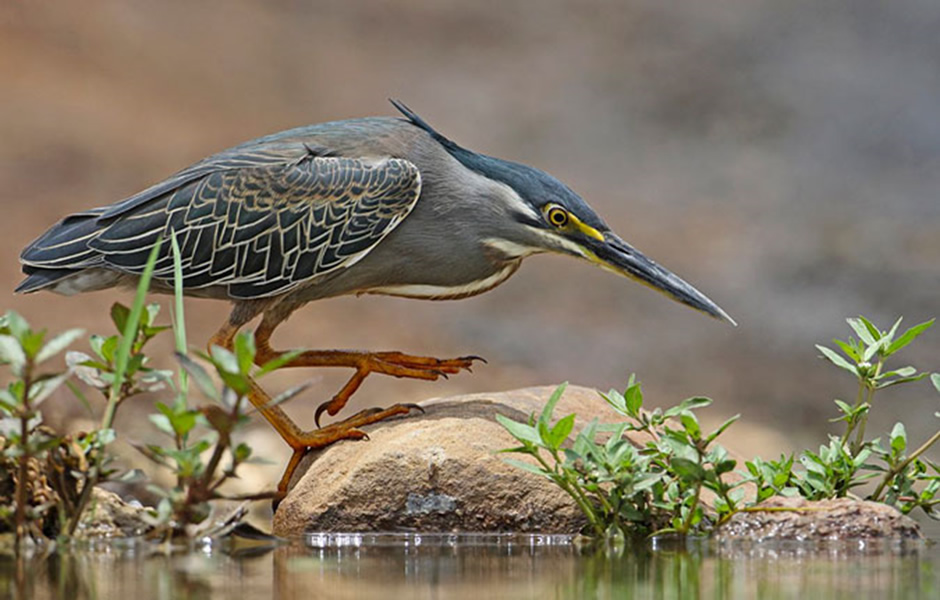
{"points": [[395, 364], [399, 364], [347, 429]]}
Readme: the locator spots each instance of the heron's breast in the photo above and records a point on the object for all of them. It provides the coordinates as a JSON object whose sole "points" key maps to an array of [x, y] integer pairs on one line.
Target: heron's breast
{"points": [[428, 291]]}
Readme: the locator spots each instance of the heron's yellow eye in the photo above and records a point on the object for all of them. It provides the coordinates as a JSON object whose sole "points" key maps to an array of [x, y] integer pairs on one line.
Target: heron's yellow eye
{"points": [[557, 216]]}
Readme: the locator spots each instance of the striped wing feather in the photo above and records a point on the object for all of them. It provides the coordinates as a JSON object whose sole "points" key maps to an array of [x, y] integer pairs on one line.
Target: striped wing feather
{"points": [[259, 222]]}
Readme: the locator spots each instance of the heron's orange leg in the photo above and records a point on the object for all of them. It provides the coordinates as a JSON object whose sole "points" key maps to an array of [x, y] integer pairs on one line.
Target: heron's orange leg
{"points": [[387, 363], [396, 364], [347, 429], [304, 441]]}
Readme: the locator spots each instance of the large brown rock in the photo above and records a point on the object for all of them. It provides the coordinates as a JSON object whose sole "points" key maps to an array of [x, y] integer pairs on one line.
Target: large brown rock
{"points": [[439, 471]]}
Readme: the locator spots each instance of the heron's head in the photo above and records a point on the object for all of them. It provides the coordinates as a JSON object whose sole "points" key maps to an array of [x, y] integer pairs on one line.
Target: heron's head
{"points": [[547, 216]]}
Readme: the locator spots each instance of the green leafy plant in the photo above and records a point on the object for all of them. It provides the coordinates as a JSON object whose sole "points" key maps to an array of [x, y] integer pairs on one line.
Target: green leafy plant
{"points": [[906, 481], [56, 470], [624, 489], [198, 432], [24, 440], [771, 477], [50, 470]]}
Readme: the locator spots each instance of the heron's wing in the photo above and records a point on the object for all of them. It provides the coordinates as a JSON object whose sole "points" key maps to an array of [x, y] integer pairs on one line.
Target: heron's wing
{"points": [[260, 221]]}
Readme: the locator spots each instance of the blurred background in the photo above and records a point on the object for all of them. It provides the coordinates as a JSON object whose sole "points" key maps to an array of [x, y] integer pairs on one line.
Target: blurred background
{"points": [[781, 155]]}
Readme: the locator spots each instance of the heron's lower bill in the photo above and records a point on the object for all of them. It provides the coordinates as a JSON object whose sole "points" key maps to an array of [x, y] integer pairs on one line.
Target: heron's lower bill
{"points": [[616, 255]]}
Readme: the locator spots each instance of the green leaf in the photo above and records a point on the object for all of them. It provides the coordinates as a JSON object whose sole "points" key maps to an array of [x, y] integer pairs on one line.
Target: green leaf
{"points": [[31, 342], [849, 350], [872, 350], [162, 422], [893, 331], [199, 375], [16, 324], [647, 480], [633, 400], [119, 314], [837, 360], [725, 466], [721, 428], [867, 332], [908, 336], [520, 431], [860, 459], [245, 352], [844, 407], [885, 384], [41, 390], [150, 314], [546, 416], [11, 352], [224, 360], [813, 463], [527, 466], [237, 382], [902, 372], [690, 424], [58, 344], [898, 439], [134, 364], [109, 347], [687, 469], [561, 430], [616, 401], [687, 404], [241, 453], [935, 380]]}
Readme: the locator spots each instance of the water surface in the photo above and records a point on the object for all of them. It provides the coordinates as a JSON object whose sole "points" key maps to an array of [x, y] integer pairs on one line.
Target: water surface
{"points": [[476, 566]]}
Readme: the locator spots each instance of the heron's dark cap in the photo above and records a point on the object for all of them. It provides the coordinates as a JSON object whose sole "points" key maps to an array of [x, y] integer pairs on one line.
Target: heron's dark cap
{"points": [[533, 185]]}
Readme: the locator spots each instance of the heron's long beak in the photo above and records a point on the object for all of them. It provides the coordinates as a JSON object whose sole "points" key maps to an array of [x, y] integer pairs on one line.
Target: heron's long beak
{"points": [[614, 254]]}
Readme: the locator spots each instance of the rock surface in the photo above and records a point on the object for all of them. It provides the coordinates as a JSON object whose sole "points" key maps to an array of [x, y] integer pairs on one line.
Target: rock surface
{"points": [[109, 516], [796, 519], [438, 472]]}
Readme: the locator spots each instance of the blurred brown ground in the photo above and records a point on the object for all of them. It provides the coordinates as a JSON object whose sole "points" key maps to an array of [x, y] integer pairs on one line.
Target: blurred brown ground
{"points": [[782, 155]]}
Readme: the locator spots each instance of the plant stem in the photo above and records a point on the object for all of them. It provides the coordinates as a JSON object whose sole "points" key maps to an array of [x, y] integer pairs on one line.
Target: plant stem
{"points": [[876, 495], [20, 515], [870, 383], [687, 524], [851, 423], [575, 493]]}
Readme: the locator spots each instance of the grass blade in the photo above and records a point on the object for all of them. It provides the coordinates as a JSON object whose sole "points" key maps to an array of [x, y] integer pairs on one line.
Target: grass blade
{"points": [[128, 335], [178, 317]]}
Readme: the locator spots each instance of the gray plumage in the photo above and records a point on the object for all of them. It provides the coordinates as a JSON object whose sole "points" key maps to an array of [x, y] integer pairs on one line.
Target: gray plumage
{"points": [[377, 205]]}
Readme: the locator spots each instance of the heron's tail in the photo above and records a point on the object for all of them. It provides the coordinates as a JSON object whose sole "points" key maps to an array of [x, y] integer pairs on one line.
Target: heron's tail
{"points": [[60, 252]]}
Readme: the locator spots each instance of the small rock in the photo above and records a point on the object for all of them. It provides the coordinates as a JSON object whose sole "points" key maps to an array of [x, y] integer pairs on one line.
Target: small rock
{"points": [[438, 471], [797, 519], [109, 516]]}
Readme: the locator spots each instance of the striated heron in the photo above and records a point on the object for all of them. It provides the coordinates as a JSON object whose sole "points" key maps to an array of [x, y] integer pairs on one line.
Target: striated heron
{"points": [[368, 206]]}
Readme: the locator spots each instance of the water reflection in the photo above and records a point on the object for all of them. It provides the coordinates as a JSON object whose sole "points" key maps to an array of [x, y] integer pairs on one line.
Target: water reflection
{"points": [[477, 566]]}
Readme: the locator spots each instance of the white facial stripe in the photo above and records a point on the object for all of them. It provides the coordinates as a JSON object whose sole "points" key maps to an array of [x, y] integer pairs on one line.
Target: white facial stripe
{"points": [[557, 241], [553, 242], [511, 249]]}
